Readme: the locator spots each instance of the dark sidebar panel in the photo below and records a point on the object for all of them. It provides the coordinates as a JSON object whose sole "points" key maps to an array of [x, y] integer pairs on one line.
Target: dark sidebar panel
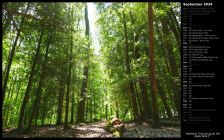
{"points": [[202, 72]]}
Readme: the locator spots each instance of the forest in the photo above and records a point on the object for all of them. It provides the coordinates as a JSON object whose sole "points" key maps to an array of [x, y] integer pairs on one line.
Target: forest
{"points": [[91, 69]]}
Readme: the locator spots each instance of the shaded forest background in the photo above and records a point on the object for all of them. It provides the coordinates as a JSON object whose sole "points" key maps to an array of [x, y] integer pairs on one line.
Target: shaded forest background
{"points": [[51, 74]]}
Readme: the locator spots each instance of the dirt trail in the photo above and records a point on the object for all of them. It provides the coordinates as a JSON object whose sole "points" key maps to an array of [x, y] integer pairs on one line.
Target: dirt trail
{"points": [[92, 130]]}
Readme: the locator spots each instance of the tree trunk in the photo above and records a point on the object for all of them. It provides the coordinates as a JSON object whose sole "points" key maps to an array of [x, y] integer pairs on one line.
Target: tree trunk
{"points": [[175, 32], [60, 98], [169, 51], [173, 87], [174, 26], [17, 93], [86, 113], [164, 99], [172, 67], [12, 91], [155, 108], [106, 108], [167, 79], [73, 96], [91, 110], [111, 110], [128, 71], [29, 85], [67, 99], [146, 112], [40, 85], [44, 109], [9, 90], [72, 108], [70, 59], [139, 102], [12, 54], [116, 105], [145, 99], [81, 105], [94, 105]]}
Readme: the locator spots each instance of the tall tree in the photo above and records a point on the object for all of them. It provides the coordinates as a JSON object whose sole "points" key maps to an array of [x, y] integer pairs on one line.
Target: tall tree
{"points": [[81, 105], [13, 53], [28, 88], [70, 59], [172, 66], [155, 108], [146, 112], [128, 71], [61, 96], [40, 85]]}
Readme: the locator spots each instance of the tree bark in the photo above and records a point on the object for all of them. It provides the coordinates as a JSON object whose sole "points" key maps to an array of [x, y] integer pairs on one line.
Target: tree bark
{"points": [[155, 108]]}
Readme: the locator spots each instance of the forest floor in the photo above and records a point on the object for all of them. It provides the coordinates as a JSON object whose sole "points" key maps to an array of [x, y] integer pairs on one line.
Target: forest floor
{"points": [[94, 130]]}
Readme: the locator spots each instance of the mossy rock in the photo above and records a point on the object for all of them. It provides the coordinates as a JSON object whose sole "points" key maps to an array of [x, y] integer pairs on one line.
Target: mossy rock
{"points": [[115, 126]]}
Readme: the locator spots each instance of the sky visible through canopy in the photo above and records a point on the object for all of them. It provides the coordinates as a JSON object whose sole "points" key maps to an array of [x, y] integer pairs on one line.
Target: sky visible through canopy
{"points": [[92, 15]]}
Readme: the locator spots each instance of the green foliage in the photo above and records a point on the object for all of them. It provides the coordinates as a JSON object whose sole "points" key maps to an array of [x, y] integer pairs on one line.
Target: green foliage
{"points": [[116, 134], [108, 83]]}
